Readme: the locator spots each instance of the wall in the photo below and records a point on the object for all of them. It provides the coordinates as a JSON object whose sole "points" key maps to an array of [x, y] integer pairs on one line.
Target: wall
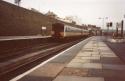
{"points": [[17, 21]]}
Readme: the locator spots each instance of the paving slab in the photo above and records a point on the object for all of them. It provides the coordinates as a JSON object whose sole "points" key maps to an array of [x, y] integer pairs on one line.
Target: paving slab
{"points": [[36, 78], [92, 65], [114, 78], [96, 55], [77, 78], [74, 72], [75, 65], [84, 54], [113, 73], [104, 50], [80, 61], [92, 58], [95, 61], [114, 66], [96, 52], [108, 55], [111, 60], [62, 59], [49, 70], [107, 52], [106, 73], [95, 73], [46, 73], [87, 50]]}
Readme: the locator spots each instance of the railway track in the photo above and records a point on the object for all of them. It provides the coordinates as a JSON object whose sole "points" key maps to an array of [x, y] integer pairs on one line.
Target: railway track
{"points": [[21, 61], [23, 51]]}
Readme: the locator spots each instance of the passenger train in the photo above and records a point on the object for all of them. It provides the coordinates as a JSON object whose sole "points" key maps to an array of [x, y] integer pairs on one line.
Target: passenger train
{"points": [[60, 30]]}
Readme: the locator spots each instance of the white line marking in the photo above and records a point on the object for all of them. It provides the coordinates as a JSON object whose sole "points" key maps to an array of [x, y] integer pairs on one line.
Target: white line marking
{"points": [[29, 71]]}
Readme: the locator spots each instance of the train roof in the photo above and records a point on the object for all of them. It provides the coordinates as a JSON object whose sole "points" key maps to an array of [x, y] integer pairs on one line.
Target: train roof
{"points": [[70, 24]]}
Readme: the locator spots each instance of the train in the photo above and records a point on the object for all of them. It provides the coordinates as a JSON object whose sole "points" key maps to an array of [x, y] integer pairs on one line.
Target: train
{"points": [[60, 30]]}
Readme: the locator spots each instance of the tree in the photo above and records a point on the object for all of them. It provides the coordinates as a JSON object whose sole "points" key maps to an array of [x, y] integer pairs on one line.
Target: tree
{"points": [[51, 14], [34, 10], [73, 19], [17, 2], [69, 18]]}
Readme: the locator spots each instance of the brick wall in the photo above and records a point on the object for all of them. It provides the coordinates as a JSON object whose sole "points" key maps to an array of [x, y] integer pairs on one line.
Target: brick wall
{"points": [[17, 21]]}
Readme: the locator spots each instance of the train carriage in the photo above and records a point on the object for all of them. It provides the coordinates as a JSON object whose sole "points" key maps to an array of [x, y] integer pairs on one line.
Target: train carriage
{"points": [[71, 31], [60, 30]]}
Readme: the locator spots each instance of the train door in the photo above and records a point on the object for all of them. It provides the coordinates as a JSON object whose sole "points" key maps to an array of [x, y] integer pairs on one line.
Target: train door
{"points": [[57, 29]]}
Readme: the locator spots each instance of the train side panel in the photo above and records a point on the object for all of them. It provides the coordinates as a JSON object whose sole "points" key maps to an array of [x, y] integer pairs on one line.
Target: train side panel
{"points": [[72, 31], [85, 32], [60, 30]]}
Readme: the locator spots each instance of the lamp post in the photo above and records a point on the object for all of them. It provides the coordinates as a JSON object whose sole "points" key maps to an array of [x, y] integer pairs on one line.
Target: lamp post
{"points": [[103, 21], [122, 24]]}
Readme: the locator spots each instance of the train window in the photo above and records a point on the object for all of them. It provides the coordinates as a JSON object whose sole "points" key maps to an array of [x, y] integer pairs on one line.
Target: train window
{"points": [[72, 29]]}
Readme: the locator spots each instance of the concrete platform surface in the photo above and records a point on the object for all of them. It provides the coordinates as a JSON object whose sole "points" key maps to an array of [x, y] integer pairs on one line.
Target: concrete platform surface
{"points": [[5, 38], [93, 61]]}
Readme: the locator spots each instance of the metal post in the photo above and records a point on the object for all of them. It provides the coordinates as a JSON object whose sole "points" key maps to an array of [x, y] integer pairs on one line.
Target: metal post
{"points": [[103, 21], [116, 31], [122, 28], [107, 31]]}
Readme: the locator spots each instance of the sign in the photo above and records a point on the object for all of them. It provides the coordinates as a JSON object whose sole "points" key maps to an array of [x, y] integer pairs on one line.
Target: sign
{"points": [[43, 28], [109, 24]]}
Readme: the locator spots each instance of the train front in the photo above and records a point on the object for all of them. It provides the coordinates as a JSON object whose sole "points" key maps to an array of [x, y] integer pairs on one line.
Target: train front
{"points": [[57, 30]]}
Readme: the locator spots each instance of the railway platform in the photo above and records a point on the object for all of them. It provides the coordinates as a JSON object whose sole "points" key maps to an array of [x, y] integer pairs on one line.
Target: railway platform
{"points": [[89, 60], [7, 38]]}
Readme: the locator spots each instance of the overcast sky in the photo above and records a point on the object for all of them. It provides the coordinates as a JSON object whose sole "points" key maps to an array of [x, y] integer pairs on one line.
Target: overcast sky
{"points": [[88, 11]]}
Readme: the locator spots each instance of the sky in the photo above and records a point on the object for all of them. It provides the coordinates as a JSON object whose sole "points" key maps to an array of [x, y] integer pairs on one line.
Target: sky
{"points": [[87, 11]]}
